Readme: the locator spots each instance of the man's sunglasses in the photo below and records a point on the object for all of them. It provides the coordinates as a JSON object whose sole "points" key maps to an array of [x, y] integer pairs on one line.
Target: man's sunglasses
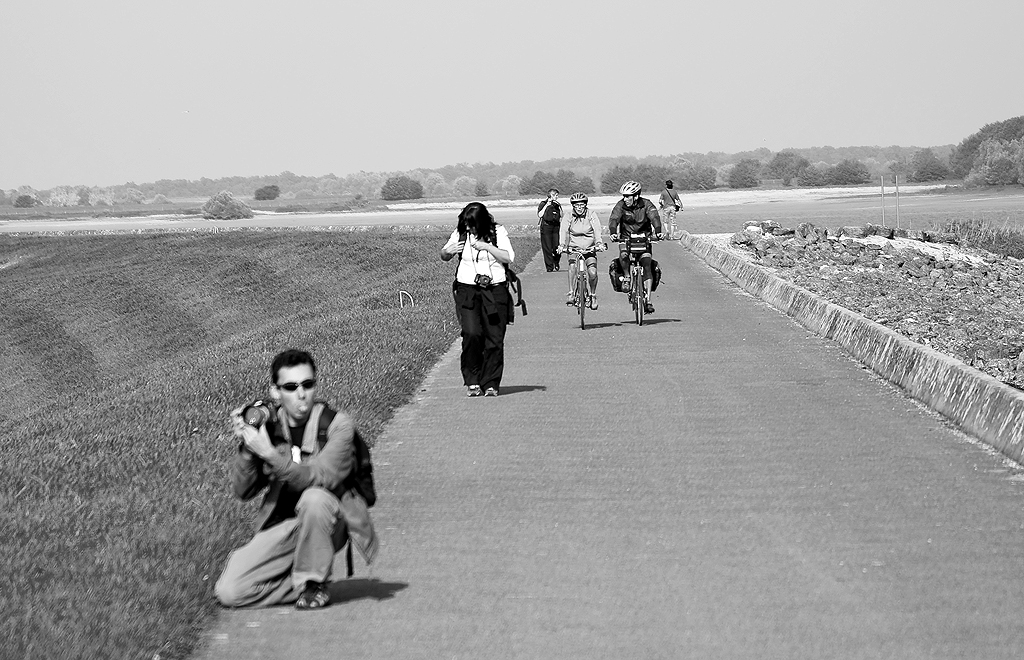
{"points": [[291, 387]]}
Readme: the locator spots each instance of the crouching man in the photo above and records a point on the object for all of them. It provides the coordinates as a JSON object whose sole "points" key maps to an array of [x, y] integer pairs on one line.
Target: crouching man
{"points": [[301, 453]]}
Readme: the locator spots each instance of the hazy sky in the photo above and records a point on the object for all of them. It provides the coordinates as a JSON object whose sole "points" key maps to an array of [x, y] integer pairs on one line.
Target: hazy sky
{"points": [[108, 91]]}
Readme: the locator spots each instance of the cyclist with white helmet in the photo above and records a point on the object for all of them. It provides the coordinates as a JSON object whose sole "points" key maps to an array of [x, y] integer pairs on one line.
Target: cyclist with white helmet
{"points": [[634, 214], [582, 231]]}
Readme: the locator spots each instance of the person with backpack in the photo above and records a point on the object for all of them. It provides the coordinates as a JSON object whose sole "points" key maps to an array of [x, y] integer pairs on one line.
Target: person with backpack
{"points": [[669, 204], [314, 471], [549, 219], [482, 299]]}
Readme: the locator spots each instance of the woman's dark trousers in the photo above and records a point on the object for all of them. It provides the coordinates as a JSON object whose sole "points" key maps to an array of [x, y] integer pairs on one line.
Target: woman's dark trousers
{"points": [[483, 334]]}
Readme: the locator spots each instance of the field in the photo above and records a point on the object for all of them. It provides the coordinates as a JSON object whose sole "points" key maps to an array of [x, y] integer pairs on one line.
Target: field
{"points": [[121, 355]]}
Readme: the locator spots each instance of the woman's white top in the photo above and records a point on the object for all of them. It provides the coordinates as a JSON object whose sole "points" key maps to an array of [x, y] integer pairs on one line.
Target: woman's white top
{"points": [[476, 262]]}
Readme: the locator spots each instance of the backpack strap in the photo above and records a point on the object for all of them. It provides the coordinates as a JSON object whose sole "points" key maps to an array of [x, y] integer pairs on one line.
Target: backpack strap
{"points": [[326, 417], [515, 285]]}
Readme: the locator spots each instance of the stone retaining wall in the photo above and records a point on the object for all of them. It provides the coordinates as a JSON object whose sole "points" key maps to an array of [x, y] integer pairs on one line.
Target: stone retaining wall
{"points": [[979, 404]]}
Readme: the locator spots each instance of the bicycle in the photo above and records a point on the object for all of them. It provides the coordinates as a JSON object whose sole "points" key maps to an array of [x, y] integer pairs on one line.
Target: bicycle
{"points": [[637, 245], [579, 284]]}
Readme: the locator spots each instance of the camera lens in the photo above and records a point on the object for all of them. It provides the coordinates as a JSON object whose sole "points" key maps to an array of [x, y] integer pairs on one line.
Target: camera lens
{"points": [[255, 415]]}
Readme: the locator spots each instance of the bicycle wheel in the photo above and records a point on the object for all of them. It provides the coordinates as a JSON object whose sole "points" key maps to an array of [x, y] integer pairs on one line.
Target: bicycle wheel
{"points": [[582, 294], [638, 297], [635, 295]]}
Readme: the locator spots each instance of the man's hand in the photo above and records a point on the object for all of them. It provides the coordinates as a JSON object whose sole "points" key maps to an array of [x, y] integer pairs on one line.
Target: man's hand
{"points": [[255, 440], [258, 442]]}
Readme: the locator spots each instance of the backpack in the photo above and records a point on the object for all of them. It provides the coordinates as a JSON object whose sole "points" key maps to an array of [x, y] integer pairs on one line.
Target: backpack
{"points": [[512, 281], [361, 477]]}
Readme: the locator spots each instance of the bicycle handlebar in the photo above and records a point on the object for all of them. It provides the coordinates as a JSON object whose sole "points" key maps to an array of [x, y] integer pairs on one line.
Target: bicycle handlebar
{"points": [[575, 250], [651, 237]]}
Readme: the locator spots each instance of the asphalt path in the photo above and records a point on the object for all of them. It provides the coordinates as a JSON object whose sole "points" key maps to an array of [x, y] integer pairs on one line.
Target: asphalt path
{"points": [[718, 483]]}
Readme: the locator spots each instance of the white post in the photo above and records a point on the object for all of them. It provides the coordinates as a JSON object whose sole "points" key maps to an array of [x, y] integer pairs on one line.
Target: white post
{"points": [[881, 180], [898, 200]]}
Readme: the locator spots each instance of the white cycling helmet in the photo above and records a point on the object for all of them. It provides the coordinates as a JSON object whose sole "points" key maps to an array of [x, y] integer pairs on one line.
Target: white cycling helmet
{"points": [[577, 198], [630, 188]]}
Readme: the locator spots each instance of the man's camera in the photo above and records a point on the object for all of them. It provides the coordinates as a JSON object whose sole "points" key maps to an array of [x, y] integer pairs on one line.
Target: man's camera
{"points": [[482, 280], [258, 413]]}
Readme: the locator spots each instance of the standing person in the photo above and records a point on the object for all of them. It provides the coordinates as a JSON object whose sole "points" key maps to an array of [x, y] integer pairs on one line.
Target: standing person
{"points": [[310, 506], [634, 214], [582, 231], [482, 300], [549, 218], [669, 205]]}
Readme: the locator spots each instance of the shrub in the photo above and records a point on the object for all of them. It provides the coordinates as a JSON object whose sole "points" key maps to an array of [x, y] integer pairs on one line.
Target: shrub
{"points": [[464, 186], [998, 163], [481, 189], [25, 202], [926, 166], [507, 186], [963, 158], [686, 175], [849, 172], [224, 206], [785, 165], [401, 187], [812, 176], [565, 181], [746, 174], [613, 179], [267, 193]]}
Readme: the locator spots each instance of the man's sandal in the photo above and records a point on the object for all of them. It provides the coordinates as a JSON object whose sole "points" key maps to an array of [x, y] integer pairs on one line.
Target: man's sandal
{"points": [[313, 597]]}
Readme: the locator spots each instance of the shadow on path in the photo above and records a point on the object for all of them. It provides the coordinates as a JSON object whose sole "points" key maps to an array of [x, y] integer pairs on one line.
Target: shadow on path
{"points": [[515, 389], [345, 591], [649, 321]]}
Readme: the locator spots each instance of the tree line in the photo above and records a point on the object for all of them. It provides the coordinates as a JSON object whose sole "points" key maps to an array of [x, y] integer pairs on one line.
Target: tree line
{"points": [[992, 156]]}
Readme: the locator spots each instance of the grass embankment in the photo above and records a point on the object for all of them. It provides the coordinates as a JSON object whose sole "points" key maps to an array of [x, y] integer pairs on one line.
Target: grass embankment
{"points": [[120, 357]]}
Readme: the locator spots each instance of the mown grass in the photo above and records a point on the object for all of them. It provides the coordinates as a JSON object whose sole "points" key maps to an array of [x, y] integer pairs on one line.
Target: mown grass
{"points": [[121, 355]]}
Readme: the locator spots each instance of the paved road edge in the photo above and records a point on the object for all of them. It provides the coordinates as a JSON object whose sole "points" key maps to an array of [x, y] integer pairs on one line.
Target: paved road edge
{"points": [[979, 404]]}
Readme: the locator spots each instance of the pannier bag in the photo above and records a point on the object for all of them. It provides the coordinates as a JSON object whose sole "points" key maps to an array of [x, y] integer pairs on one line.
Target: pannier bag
{"points": [[614, 274]]}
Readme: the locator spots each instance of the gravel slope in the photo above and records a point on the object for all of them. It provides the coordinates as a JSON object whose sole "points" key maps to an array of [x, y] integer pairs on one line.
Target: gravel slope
{"points": [[963, 302]]}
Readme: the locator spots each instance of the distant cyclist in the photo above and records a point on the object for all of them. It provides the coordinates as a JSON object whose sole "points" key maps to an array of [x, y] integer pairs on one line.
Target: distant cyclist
{"points": [[634, 214], [582, 231]]}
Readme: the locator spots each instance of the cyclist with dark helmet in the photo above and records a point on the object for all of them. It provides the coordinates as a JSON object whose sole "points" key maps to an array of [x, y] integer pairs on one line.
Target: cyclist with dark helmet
{"points": [[634, 214], [582, 231]]}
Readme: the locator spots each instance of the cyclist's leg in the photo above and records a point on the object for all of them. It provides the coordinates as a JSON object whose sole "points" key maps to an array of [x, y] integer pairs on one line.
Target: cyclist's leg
{"points": [[572, 277], [592, 278], [645, 261], [592, 271], [624, 265]]}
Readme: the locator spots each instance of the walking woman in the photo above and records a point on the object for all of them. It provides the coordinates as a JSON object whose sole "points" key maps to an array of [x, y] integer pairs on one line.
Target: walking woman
{"points": [[481, 296]]}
